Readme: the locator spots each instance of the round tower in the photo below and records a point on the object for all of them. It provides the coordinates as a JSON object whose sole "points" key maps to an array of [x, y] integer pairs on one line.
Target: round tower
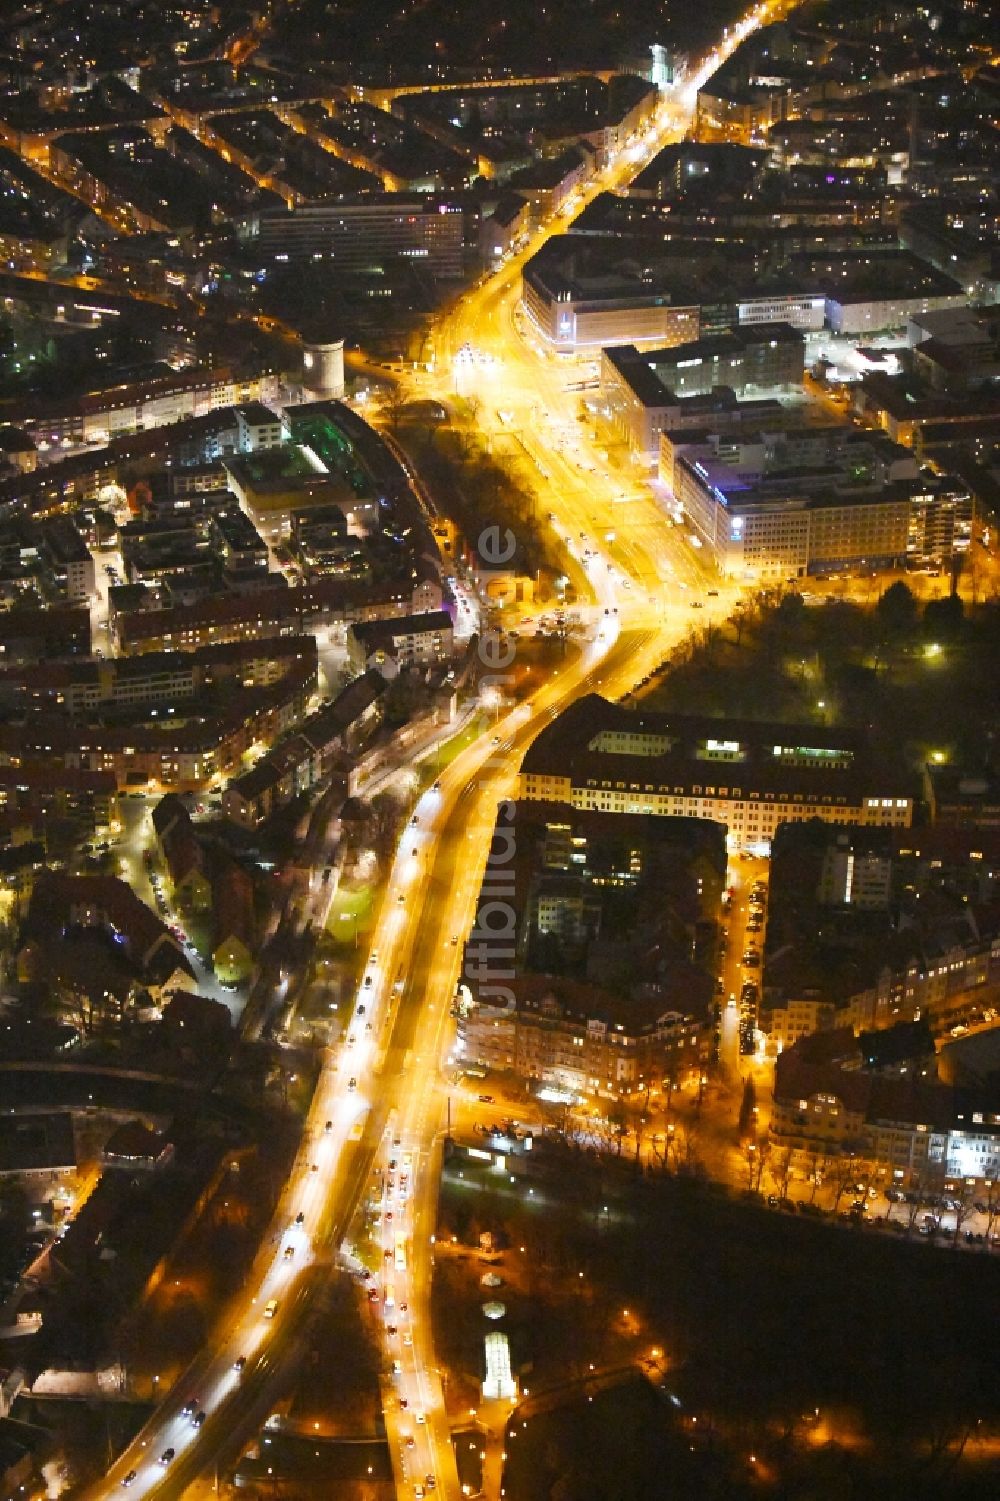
{"points": [[323, 367]]}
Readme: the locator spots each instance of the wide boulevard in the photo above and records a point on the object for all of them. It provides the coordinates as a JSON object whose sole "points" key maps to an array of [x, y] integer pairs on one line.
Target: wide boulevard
{"points": [[380, 1097]]}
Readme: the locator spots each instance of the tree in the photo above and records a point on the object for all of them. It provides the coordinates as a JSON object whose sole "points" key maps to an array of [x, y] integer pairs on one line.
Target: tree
{"points": [[847, 1170], [964, 1207], [915, 1201], [384, 821], [897, 609], [682, 1140], [748, 1105], [991, 1203], [90, 987], [393, 405], [790, 612], [755, 1155], [779, 1170], [943, 618], [618, 1122], [817, 1172]]}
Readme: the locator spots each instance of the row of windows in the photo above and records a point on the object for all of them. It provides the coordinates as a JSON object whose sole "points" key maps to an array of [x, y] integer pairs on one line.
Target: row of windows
{"points": [[781, 799]]}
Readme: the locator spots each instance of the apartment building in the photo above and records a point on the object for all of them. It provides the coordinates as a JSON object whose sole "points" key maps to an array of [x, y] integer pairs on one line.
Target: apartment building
{"points": [[912, 1128], [35, 796], [750, 777], [574, 1037], [182, 754], [69, 558], [268, 613], [293, 767], [857, 871], [152, 678], [405, 641], [175, 396]]}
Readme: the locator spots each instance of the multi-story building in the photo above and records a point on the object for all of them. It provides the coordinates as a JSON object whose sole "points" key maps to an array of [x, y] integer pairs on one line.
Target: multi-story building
{"points": [[403, 641], [750, 777], [755, 357], [122, 683], [172, 397], [242, 547], [29, 634], [549, 184], [802, 502], [576, 306], [69, 557], [326, 601], [259, 427], [364, 233], [799, 1017], [911, 1128], [167, 753], [968, 797], [857, 871], [571, 1036], [38, 796], [293, 767], [641, 403]]}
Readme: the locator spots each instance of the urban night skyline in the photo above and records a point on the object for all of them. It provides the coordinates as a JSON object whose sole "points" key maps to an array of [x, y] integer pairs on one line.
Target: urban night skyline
{"points": [[499, 798]]}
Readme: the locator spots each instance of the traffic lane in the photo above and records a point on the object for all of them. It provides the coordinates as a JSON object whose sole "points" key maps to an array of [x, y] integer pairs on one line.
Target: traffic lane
{"points": [[610, 633], [313, 1181], [226, 1431]]}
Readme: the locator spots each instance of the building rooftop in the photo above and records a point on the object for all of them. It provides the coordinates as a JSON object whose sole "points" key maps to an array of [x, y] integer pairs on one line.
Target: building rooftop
{"points": [[376, 634], [560, 997], [33, 1142], [256, 414]]}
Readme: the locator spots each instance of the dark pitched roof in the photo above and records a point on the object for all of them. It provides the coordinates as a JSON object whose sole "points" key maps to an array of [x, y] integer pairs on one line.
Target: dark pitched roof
{"points": [[60, 901], [183, 853], [200, 1012], [169, 811], [233, 907], [383, 633], [903, 1043], [911, 1100], [839, 1045], [581, 1000], [327, 725], [135, 1142], [43, 1140]]}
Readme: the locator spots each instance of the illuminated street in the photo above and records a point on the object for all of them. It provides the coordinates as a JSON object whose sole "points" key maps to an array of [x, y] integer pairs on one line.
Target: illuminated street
{"points": [[380, 1099], [379, 1096]]}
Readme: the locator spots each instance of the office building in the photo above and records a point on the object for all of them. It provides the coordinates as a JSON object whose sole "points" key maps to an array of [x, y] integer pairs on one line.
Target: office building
{"points": [[800, 502], [698, 383], [372, 233]]}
